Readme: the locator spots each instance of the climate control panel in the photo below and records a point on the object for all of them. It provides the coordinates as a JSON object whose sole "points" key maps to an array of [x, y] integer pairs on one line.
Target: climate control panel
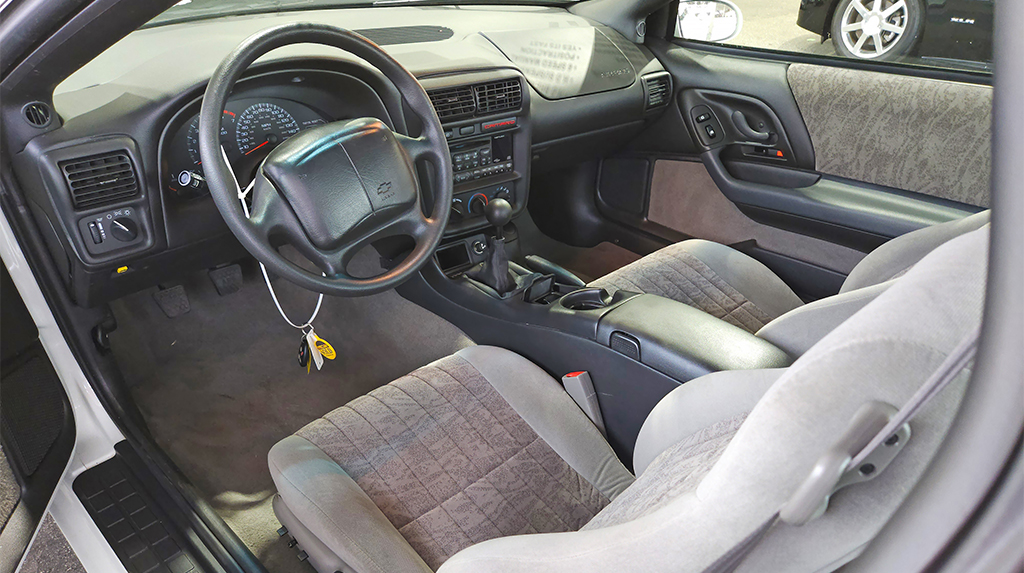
{"points": [[472, 203]]}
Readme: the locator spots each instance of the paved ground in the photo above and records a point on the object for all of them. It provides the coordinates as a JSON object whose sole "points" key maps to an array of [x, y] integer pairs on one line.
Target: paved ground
{"points": [[771, 24]]}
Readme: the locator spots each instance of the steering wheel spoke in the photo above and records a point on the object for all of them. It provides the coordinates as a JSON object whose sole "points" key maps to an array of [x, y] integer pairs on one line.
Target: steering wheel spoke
{"points": [[417, 147]]}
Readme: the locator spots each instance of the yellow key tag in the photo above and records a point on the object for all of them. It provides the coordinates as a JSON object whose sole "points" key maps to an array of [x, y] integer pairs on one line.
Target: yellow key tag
{"points": [[325, 348]]}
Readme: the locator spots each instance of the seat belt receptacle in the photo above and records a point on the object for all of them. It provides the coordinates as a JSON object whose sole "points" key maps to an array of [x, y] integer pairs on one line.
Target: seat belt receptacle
{"points": [[580, 388]]}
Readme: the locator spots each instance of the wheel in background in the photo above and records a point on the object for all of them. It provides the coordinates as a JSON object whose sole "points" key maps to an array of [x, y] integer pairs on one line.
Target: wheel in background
{"points": [[876, 29]]}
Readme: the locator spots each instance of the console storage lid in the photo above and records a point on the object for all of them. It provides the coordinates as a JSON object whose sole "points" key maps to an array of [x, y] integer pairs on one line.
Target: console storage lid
{"points": [[683, 342]]}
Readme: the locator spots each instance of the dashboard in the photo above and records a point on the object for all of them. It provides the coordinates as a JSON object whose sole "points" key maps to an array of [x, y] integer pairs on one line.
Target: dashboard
{"points": [[518, 90]]}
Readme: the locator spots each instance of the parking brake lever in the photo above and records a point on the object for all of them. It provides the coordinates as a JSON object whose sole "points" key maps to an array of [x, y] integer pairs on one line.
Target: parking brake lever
{"points": [[562, 275], [740, 121]]}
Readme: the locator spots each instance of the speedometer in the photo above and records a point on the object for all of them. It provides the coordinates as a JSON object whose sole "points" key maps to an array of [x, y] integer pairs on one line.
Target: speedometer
{"points": [[263, 125]]}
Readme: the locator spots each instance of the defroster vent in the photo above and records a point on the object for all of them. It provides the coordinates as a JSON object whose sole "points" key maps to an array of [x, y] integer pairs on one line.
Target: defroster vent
{"points": [[494, 97], [453, 103], [100, 179]]}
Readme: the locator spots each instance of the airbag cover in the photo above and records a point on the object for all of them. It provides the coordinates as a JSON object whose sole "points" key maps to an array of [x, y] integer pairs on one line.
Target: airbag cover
{"points": [[342, 179]]}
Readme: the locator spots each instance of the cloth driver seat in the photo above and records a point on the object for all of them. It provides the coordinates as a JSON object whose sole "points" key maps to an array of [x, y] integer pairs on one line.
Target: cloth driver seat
{"points": [[480, 462]]}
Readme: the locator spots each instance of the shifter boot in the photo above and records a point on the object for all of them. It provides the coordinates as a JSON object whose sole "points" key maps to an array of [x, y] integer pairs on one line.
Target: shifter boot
{"points": [[493, 272]]}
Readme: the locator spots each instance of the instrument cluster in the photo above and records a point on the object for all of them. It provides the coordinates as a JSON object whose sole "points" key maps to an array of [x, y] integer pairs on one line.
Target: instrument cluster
{"points": [[250, 129]]}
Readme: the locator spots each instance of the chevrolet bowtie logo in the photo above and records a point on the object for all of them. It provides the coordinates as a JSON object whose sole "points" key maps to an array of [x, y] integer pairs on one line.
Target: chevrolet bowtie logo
{"points": [[384, 188]]}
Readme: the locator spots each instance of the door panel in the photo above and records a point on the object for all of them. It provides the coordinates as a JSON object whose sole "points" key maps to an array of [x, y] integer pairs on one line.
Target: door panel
{"points": [[685, 198], [734, 161], [920, 135]]}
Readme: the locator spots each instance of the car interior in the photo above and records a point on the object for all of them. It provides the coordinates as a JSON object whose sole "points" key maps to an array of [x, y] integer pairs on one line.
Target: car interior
{"points": [[494, 286]]}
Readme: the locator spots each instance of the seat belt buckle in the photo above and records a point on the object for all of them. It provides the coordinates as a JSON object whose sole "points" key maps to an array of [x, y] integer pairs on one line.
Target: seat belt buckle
{"points": [[580, 388]]}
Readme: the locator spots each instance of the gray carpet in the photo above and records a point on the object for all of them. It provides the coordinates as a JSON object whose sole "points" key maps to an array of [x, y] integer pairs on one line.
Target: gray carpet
{"points": [[10, 491], [50, 552], [220, 385], [587, 263]]}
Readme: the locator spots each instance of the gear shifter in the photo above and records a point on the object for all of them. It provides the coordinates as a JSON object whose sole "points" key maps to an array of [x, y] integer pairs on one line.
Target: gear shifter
{"points": [[493, 272]]}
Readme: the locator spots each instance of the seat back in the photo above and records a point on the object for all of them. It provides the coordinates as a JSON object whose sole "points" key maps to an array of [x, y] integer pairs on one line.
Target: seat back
{"points": [[897, 256]]}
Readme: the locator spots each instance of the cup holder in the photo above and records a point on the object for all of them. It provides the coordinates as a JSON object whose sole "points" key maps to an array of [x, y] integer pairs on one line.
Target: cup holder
{"points": [[586, 299]]}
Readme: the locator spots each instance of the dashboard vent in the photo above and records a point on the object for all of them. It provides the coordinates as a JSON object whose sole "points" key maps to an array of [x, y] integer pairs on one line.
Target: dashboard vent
{"points": [[493, 97], [658, 88], [100, 179], [453, 103], [406, 34], [37, 114]]}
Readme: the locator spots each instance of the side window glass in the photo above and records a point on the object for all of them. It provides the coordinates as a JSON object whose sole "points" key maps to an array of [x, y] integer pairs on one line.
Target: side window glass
{"points": [[952, 34]]}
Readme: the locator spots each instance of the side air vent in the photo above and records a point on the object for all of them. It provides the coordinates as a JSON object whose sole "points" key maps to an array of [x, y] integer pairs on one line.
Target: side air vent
{"points": [[494, 97], [37, 114], [100, 179], [658, 88], [453, 103]]}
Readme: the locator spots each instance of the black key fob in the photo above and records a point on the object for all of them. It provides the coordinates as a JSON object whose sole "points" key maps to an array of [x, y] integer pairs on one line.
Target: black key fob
{"points": [[303, 356]]}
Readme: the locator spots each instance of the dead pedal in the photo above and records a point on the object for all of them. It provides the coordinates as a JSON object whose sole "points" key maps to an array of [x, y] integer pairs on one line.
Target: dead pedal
{"points": [[173, 301], [227, 280]]}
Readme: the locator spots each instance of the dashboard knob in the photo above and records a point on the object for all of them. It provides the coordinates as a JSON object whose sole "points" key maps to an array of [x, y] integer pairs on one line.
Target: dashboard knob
{"points": [[457, 211], [477, 204], [124, 229]]}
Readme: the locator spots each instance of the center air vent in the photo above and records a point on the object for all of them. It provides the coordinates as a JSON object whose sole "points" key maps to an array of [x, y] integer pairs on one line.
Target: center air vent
{"points": [[658, 89], [479, 99], [494, 97], [100, 179], [453, 103]]}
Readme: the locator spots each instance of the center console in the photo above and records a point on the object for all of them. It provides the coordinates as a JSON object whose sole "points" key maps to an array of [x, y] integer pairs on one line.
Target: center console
{"points": [[485, 116]]}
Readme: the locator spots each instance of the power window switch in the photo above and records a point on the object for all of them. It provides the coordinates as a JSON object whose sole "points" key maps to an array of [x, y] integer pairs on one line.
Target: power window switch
{"points": [[97, 235], [710, 130]]}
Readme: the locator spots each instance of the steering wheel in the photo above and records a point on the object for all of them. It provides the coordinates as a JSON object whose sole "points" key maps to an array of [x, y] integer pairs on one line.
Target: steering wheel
{"points": [[331, 190]]}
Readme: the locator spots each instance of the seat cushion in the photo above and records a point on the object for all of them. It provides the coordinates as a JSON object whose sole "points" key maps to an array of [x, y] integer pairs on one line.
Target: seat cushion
{"points": [[449, 462], [711, 277]]}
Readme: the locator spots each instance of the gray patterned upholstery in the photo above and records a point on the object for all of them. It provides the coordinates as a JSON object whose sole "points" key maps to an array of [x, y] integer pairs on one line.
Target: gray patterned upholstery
{"points": [[677, 471], [450, 463], [732, 286], [916, 134], [676, 273]]}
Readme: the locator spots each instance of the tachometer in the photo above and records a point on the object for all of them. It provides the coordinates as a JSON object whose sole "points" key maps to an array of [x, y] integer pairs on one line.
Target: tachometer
{"points": [[227, 122], [263, 126]]}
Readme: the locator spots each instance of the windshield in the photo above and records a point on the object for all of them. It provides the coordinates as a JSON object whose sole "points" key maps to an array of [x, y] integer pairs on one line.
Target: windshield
{"points": [[188, 10]]}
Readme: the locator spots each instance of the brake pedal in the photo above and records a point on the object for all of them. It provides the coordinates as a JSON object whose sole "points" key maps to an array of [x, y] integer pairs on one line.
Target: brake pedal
{"points": [[227, 280], [173, 301]]}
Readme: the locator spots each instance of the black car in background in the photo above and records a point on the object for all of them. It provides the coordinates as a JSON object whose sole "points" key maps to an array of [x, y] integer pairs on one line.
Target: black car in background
{"points": [[887, 30]]}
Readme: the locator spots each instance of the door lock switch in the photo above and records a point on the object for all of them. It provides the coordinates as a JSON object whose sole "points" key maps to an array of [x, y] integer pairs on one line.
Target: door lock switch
{"points": [[702, 117]]}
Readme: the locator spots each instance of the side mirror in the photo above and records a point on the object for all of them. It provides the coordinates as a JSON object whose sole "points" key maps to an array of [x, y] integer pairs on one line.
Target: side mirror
{"points": [[708, 20]]}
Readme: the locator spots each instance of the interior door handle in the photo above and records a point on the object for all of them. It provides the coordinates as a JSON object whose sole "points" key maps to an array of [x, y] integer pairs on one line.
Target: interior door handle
{"points": [[740, 121]]}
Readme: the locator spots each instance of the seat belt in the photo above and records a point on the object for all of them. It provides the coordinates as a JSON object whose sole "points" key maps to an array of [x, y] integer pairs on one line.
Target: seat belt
{"points": [[875, 435]]}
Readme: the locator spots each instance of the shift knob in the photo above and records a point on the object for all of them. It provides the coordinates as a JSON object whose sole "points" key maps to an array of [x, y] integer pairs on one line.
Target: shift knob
{"points": [[498, 212]]}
